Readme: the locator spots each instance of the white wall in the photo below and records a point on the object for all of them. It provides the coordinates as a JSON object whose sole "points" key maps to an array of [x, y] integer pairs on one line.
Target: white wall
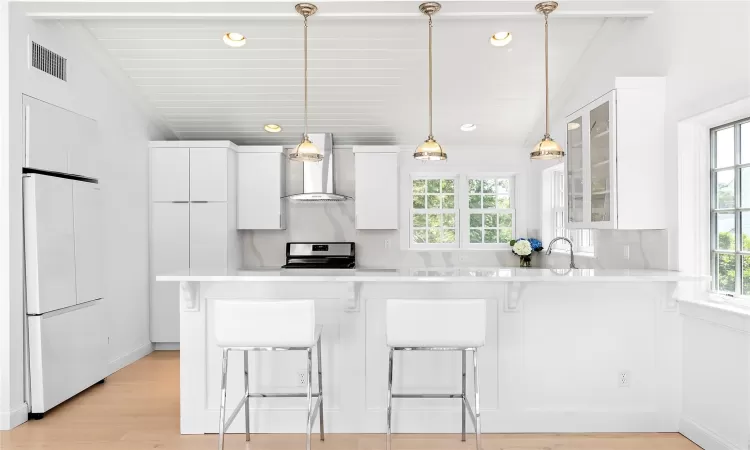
{"points": [[123, 172], [702, 47]]}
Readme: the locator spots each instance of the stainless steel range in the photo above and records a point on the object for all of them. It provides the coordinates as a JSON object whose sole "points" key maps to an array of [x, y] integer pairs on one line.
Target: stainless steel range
{"points": [[320, 255]]}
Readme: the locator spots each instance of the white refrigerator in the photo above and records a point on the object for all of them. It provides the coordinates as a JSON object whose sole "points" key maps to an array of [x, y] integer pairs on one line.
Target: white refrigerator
{"points": [[66, 321]]}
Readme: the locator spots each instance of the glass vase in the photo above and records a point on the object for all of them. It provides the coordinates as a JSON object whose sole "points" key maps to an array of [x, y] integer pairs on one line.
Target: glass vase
{"points": [[525, 261]]}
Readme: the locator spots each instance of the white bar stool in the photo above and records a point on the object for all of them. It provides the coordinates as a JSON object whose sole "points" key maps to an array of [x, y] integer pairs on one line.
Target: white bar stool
{"points": [[437, 325], [267, 325]]}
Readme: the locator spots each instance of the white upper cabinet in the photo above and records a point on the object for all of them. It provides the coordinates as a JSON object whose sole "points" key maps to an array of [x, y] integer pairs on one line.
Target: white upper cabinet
{"points": [[170, 174], [376, 187], [260, 187], [614, 160], [208, 175], [87, 213], [59, 140]]}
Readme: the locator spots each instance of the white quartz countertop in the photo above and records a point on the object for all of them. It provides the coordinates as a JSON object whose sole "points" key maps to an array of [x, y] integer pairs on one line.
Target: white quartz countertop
{"points": [[450, 275]]}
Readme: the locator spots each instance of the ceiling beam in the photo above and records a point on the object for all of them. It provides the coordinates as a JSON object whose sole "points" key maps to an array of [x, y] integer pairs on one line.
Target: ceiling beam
{"points": [[346, 9]]}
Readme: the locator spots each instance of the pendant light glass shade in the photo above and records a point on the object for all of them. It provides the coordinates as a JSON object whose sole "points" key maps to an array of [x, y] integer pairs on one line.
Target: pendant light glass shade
{"points": [[306, 151], [547, 148], [430, 150]]}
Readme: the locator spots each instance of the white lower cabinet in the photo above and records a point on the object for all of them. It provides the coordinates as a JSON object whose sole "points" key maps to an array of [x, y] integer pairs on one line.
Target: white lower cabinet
{"points": [[208, 236], [170, 252]]}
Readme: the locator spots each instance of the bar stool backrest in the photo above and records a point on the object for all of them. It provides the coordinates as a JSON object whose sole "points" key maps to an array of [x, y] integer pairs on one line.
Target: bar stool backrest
{"points": [[264, 323], [436, 323]]}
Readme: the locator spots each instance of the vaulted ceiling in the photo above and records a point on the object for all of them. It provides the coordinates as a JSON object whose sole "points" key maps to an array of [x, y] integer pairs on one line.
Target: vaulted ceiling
{"points": [[367, 72]]}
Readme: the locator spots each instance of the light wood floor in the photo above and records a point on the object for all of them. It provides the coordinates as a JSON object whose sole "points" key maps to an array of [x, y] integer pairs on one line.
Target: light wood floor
{"points": [[138, 409]]}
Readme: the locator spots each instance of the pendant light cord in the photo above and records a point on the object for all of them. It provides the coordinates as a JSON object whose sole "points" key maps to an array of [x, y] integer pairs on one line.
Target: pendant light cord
{"points": [[430, 72], [546, 75], [306, 138]]}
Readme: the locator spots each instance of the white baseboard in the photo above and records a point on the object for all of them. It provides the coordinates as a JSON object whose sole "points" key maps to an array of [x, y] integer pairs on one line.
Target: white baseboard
{"points": [[14, 418], [704, 437], [130, 357], [166, 346]]}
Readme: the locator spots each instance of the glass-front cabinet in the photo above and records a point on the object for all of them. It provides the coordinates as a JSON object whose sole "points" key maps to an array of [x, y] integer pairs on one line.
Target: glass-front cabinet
{"points": [[590, 165]]}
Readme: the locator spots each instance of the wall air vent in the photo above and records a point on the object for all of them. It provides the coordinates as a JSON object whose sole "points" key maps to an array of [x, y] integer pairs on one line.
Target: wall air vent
{"points": [[48, 61]]}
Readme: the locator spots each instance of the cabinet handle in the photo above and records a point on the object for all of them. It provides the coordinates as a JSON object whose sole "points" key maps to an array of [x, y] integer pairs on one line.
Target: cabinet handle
{"points": [[180, 202], [198, 202]]}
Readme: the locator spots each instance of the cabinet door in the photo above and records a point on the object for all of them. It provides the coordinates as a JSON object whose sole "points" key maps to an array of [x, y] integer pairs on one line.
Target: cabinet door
{"points": [[48, 135], [208, 236], [49, 243], [601, 162], [574, 185], [376, 191], [170, 252], [259, 191], [87, 223], [170, 174], [208, 175], [83, 154]]}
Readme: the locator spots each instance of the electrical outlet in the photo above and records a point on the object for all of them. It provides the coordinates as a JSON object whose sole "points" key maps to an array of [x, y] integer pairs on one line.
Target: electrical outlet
{"points": [[302, 378], [626, 252], [623, 379], [387, 244], [463, 258]]}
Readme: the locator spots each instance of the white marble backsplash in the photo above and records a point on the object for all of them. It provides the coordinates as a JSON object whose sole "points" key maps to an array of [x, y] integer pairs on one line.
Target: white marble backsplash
{"points": [[335, 222]]}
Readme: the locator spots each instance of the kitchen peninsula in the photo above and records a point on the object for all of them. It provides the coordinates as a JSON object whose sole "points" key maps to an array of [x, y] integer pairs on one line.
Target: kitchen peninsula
{"points": [[567, 350]]}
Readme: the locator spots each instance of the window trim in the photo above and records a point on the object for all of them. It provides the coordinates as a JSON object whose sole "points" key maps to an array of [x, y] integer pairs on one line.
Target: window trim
{"points": [[550, 210], [737, 210]]}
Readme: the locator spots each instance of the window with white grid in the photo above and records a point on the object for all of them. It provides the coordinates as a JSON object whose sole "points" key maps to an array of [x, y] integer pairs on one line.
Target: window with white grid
{"points": [[434, 214], [489, 213], [582, 239], [461, 211]]}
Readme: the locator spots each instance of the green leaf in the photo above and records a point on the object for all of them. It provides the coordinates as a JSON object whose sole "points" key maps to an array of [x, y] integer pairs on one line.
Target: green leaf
{"points": [[490, 220], [488, 186], [419, 202], [490, 236], [475, 220], [505, 236], [505, 220], [433, 202], [419, 237], [418, 186], [434, 220], [448, 201], [475, 201], [475, 236], [449, 236], [433, 186], [503, 202], [449, 220], [475, 186], [447, 186], [488, 202], [433, 236], [420, 220]]}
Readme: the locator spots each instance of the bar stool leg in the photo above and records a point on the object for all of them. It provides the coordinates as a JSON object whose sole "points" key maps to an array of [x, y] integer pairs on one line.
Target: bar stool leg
{"points": [[476, 401], [247, 399], [222, 409], [390, 399], [320, 391], [463, 395], [309, 398]]}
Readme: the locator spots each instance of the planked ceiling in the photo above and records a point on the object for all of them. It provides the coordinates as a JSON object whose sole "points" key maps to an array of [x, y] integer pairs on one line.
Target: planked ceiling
{"points": [[367, 76]]}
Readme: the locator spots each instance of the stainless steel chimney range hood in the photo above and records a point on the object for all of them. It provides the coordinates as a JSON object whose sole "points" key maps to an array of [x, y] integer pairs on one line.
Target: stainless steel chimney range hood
{"points": [[318, 183]]}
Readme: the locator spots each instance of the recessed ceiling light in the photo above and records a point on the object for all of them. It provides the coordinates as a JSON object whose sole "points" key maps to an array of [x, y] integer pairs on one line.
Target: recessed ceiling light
{"points": [[468, 127], [234, 39], [501, 38], [573, 126], [272, 128]]}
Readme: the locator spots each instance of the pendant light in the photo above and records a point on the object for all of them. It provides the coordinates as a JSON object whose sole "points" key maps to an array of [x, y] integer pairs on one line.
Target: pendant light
{"points": [[430, 150], [306, 151], [547, 148]]}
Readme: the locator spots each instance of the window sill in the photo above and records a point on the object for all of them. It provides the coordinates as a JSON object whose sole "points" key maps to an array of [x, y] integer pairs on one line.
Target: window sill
{"points": [[719, 309]]}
